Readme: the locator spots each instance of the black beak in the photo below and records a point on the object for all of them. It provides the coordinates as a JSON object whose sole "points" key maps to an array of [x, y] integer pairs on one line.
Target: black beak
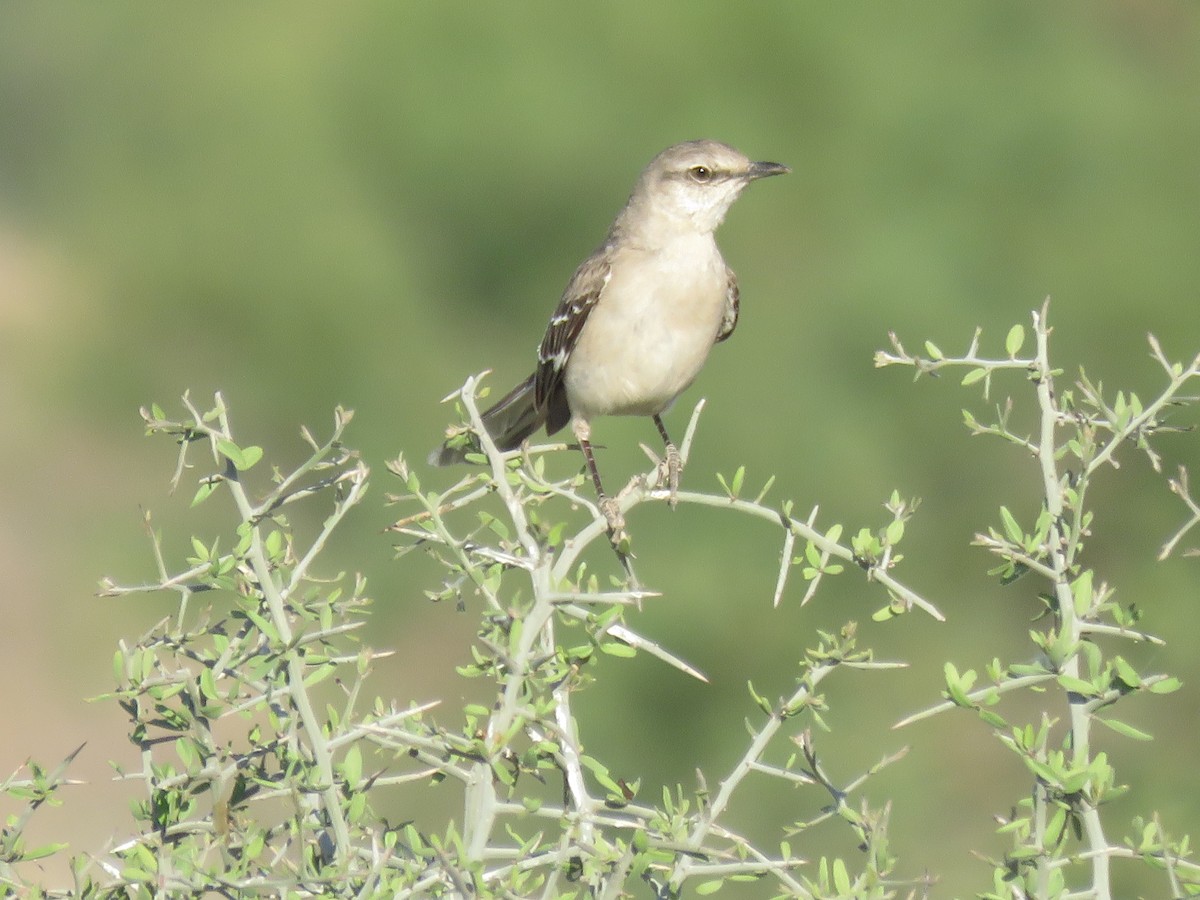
{"points": [[767, 169]]}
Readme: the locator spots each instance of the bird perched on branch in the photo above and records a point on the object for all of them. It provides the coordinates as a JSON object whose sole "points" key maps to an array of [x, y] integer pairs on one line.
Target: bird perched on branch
{"points": [[639, 316]]}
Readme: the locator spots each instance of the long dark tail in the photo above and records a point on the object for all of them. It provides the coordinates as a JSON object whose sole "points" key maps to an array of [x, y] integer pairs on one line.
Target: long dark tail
{"points": [[512, 419]]}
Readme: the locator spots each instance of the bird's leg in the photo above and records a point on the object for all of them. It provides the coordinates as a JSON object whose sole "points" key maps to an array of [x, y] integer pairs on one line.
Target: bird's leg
{"points": [[608, 505], [673, 463]]}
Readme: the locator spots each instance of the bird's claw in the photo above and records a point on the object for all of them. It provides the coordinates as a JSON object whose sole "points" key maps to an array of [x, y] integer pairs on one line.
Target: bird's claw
{"points": [[668, 474], [610, 508]]}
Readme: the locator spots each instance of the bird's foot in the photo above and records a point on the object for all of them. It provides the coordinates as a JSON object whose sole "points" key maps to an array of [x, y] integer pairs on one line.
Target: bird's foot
{"points": [[610, 508], [668, 474]]}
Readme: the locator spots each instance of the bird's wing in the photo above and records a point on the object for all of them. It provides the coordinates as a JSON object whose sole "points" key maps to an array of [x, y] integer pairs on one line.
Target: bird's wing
{"points": [[733, 306], [562, 333]]}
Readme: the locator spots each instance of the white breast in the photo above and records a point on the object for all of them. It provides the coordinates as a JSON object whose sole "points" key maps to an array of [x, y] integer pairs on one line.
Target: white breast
{"points": [[651, 331]]}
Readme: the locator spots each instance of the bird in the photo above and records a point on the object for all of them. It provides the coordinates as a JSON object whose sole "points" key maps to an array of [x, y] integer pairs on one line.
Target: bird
{"points": [[638, 318]]}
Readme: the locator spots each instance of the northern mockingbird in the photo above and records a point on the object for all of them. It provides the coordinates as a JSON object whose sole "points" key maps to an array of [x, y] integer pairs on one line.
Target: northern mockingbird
{"points": [[639, 316]]}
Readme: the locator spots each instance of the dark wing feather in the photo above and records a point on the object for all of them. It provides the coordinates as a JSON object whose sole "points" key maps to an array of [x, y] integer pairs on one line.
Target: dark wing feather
{"points": [[578, 300], [733, 306]]}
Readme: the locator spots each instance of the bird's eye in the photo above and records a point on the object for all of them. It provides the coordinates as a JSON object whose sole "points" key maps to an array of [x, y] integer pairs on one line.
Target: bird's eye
{"points": [[700, 173]]}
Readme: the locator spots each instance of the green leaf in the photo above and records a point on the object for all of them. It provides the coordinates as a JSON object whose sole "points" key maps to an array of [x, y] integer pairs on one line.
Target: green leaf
{"points": [[186, 752], [1016, 337], [1077, 685], [1054, 828], [762, 702], [497, 526], [208, 684], [1127, 673], [863, 544], [42, 852], [413, 837], [503, 774], [1081, 589], [738, 477], [993, 719], [957, 686], [841, 878], [594, 765], [204, 491], [934, 351], [250, 456], [231, 451], [600, 773], [619, 649], [1166, 686], [352, 765], [242, 457], [709, 887], [1125, 729], [766, 487], [1011, 528], [1041, 770], [971, 377]]}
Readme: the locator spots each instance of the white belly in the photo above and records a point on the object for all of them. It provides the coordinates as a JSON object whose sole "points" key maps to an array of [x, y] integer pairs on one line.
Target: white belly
{"points": [[649, 335]]}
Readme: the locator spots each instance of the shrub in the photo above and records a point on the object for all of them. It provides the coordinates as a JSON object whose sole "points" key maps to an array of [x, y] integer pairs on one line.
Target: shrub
{"points": [[263, 755]]}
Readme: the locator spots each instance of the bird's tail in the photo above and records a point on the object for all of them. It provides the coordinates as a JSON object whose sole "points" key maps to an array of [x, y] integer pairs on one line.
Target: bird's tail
{"points": [[512, 419]]}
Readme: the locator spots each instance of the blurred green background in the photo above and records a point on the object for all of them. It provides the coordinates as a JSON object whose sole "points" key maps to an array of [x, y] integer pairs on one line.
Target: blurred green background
{"points": [[362, 204]]}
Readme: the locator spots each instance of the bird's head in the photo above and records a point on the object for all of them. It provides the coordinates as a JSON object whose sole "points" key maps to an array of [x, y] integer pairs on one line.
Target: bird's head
{"points": [[693, 184]]}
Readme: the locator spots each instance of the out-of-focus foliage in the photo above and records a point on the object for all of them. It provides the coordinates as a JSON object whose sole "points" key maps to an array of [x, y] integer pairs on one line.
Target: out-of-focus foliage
{"points": [[362, 205]]}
